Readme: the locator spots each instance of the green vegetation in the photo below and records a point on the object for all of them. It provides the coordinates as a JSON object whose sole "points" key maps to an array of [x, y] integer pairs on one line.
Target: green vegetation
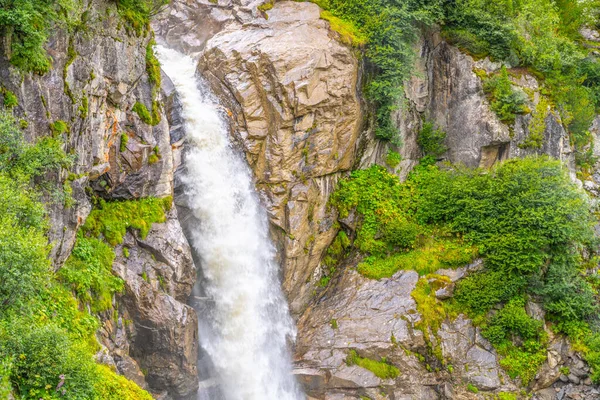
{"points": [[142, 111], [537, 126], [112, 219], [88, 272], [543, 37], [472, 388], [84, 107], [152, 64], [45, 338], [432, 142], [349, 33], [505, 100], [10, 99], [26, 25], [123, 142], [392, 159], [389, 230], [59, 127], [335, 253], [382, 369], [111, 386], [387, 30], [266, 6], [524, 217], [137, 14]]}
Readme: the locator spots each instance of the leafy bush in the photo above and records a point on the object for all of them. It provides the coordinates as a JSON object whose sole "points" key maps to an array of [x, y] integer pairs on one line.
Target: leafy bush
{"points": [[432, 140], [505, 101], [46, 357], [88, 272], [392, 159], [524, 217], [389, 30], [10, 99], [137, 13], [26, 25], [381, 369], [111, 386]]}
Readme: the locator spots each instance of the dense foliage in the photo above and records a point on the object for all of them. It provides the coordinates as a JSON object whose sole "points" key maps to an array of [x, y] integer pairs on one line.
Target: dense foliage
{"points": [[46, 342], [389, 29], [525, 218], [542, 36]]}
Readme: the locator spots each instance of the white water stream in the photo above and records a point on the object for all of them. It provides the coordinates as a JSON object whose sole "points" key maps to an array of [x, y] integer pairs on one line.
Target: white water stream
{"points": [[246, 333]]}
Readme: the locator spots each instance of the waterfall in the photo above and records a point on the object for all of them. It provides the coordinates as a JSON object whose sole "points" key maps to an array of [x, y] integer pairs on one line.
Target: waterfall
{"points": [[245, 332]]}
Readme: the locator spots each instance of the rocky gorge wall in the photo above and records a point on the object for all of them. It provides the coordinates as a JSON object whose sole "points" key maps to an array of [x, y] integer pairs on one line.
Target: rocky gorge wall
{"points": [[292, 91], [99, 73]]}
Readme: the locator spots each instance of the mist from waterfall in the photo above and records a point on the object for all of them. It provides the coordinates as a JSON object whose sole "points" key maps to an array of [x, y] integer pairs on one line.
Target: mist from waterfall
{"points": [[246, 330]]}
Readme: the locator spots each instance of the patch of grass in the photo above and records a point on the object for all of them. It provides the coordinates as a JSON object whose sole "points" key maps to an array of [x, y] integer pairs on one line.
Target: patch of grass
{"points": [[393, 159], [112, 219], [433, 254], [472, 388], [348, 32], [88, 272], [142, 111], [381, 369], [10, 99], [59, 127], [123, 142], [433, 312]]}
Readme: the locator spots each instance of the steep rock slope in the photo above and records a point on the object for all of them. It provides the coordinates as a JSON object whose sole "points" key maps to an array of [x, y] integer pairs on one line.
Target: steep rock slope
{"points": [[99, 73], [291, 90]]}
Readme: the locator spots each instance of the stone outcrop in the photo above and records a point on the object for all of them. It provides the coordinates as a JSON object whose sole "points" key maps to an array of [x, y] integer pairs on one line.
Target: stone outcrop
{"points": [[98, 74], [378, 319], [446, 90], [291, 90]]}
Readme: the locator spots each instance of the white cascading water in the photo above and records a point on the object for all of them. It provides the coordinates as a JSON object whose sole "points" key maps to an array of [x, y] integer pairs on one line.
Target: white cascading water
{"points": [[246, 334]]}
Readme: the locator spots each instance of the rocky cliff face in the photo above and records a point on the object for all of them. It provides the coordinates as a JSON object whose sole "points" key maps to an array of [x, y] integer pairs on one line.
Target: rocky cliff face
{"points": [[380, 319], [98, 74], [291, 90]]}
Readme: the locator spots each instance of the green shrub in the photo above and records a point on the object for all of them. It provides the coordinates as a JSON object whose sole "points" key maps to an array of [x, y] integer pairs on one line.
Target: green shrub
{"points": [[392, 159], [111, 386], [505, 101], [112, 219], [381, 369], [88, 272], [137, 13], [512, 320], [537, 126], [43, 356], [26, 25], [432, 140], [10, 99]]}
